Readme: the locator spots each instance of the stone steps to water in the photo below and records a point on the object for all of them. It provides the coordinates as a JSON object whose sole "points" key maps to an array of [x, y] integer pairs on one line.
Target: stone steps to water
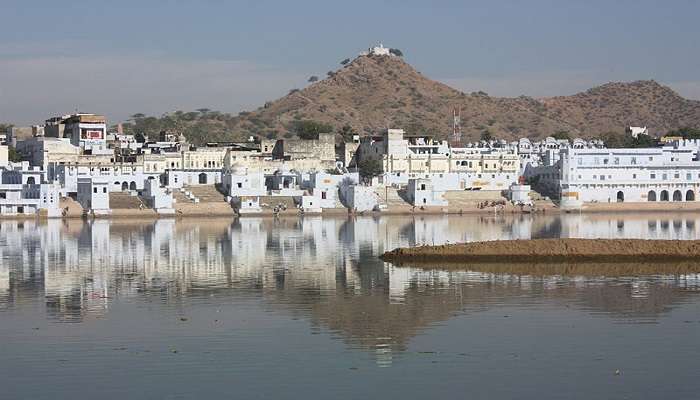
{"points": [[126, 201], [210, 201]]}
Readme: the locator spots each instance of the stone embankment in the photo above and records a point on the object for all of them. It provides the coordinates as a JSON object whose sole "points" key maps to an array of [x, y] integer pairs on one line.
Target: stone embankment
{"points": [[551, 250]]}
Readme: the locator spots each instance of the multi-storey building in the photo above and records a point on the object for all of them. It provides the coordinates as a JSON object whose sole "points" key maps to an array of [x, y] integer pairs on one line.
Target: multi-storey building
{"points": [[669, 173], [408, 157]]}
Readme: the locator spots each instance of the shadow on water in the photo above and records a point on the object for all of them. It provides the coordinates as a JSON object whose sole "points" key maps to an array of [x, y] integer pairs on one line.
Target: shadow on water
{"points": [[573, 269]]}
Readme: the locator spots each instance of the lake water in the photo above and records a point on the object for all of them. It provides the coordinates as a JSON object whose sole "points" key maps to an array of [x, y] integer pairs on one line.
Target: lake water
{"points": [[303, 308]]}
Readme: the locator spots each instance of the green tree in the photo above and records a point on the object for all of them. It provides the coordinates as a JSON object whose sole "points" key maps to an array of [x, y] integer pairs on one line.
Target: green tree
{"points": [[13, 155], [614, 140], [686, 133], [345, 62], [396, 52], [347, 132], [140, 137], [562, 135], [643, 141], [313, 78], [486, 136], [309, 129], [369, 168]]}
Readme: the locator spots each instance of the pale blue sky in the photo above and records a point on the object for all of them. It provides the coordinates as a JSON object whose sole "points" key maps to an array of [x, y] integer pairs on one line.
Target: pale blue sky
{"points": [[122, 57]]}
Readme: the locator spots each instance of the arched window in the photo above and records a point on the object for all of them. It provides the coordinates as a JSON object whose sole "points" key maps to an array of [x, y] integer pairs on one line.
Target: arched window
{"points": [[677, 195], [651, 196], [125, 186], [132, 185], [202, 178], [31, 181], [664, 195], [689, 195], [620, 196]]}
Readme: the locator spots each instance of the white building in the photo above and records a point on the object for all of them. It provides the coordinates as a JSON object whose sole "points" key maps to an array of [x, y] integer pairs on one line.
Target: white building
{"points": [[520, 194], [635, 131], [22, 174], [246, 204], [377, 51], [323, 188], [43, 150], [239, 182], [157, 197], [122, 176], [422, 193], [93, 195], [359, 198], [29, 199], [670, 173], [405, 157], [87, 131]]}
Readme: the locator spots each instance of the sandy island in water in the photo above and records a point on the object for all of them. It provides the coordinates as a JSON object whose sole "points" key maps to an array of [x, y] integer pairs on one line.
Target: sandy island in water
{"points": [[551, 250]]}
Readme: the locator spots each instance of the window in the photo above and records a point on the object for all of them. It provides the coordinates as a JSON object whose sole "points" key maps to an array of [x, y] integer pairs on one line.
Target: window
{"points": [[664, 176], [605, 161], [580, 161], [676, 175], [634, 160], [602, 177], [104, 189], [94, 190], [652, 175], [617, 161], [634, 176]]}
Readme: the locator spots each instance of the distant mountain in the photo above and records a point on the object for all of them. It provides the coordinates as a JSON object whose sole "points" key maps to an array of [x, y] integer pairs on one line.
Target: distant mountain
{"points": [[372, 93]]}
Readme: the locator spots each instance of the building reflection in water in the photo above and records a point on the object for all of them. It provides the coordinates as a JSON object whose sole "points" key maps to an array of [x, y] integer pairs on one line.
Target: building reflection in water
{"points": [[325, 270]]}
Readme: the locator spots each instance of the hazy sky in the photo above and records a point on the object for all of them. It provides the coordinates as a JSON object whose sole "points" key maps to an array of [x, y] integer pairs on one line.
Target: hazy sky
{"points": [[122, 57]]}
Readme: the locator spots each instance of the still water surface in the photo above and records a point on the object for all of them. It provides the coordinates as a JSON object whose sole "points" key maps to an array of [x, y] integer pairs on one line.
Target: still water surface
{"points": [[303, 308]]}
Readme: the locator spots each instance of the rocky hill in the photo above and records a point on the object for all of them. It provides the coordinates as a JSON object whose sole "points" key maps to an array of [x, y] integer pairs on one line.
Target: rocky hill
{"points": [[372, 93]]}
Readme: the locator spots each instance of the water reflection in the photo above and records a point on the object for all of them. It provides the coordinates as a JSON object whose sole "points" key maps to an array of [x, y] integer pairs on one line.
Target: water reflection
{"points": [[324, 270]]}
